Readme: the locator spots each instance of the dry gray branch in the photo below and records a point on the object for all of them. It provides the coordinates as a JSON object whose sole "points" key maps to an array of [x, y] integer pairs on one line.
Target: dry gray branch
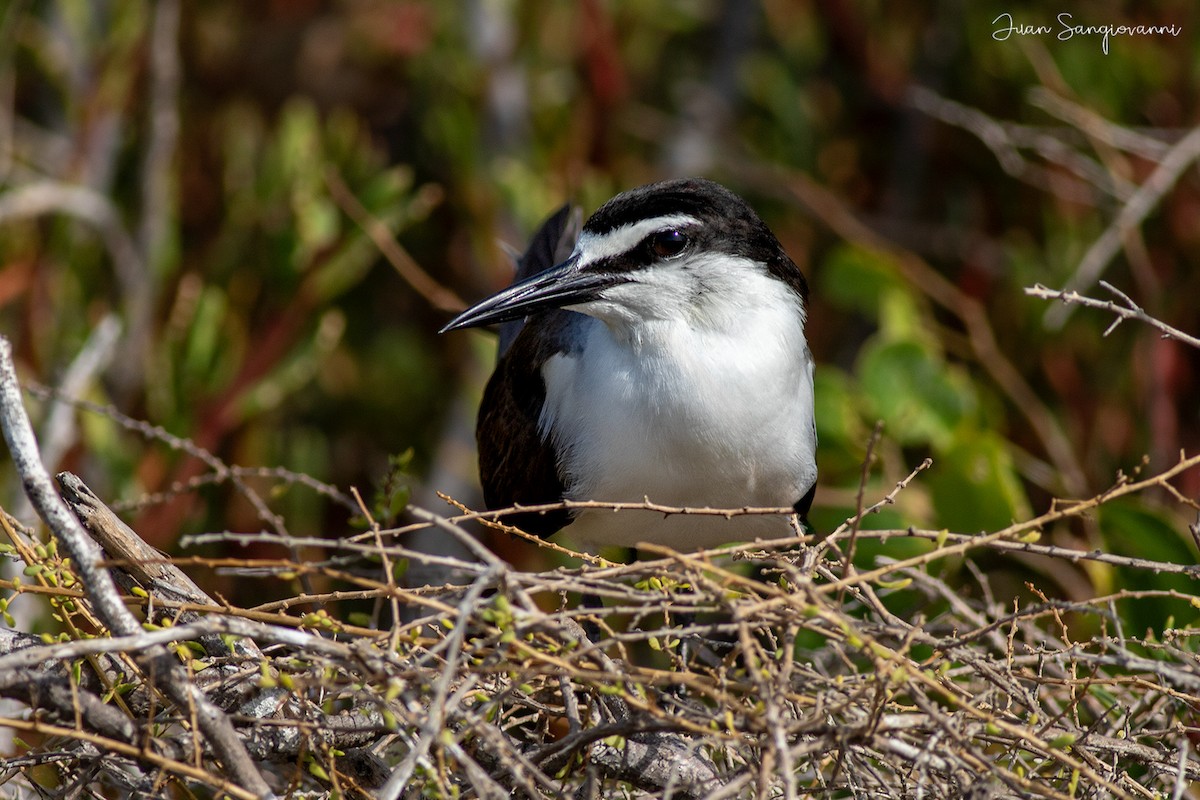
{"points": [[760, 670], [1147, 144], [1174, 163], [1065, 147], [170, 678], [1006, 141], [1127, 310]]}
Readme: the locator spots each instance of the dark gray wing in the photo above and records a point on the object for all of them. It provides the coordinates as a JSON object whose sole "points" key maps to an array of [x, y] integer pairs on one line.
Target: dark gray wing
{"points": [[516, 465]]}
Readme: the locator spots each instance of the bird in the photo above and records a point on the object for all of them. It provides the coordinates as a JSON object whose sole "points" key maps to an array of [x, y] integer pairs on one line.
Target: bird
{"points": [[657, 353]]}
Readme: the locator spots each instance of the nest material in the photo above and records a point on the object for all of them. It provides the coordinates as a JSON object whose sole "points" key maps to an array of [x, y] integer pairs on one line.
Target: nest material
{"points": [[751, 672]]}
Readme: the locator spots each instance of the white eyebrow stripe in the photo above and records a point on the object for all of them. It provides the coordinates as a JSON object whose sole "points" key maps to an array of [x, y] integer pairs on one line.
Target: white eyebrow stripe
{"points": [[593, 247]]}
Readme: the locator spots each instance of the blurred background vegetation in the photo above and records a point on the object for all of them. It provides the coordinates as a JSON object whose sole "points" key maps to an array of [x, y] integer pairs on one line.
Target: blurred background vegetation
{"points": [[207, 177]]}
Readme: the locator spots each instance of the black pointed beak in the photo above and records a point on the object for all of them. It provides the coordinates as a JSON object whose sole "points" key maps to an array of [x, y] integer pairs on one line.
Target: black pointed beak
{"points": [[561, 285]]}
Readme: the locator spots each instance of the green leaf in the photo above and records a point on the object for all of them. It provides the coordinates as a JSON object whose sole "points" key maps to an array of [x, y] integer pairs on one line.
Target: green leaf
{"points": [[839, 421], [919, 397], [1130, 528], [395, 489], [857, 279], [974, 485]]}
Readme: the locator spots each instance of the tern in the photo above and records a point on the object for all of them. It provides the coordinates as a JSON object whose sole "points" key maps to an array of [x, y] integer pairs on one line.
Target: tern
{"points": [[657, 353]]}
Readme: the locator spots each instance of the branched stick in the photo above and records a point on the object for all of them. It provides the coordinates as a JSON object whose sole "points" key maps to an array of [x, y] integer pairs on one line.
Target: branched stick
{"points": [[406, 266], [1005, 140], [1128, 310], [1097, 127], [814, 683], [1177, 160], [848, 558], [1017, 529], [158, 662]]}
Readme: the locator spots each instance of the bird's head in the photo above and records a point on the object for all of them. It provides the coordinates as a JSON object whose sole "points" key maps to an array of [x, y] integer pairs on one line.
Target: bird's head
{"points": [[679, 249]]}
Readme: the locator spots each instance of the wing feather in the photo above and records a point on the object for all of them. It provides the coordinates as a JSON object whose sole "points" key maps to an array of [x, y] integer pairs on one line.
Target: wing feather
{"points": [[516, 463]]}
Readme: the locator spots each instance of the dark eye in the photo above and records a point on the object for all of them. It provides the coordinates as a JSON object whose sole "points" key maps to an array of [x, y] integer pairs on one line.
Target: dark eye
{"points": [[666, 244]]}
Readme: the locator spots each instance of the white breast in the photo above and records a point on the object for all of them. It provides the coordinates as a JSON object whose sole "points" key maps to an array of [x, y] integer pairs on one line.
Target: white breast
{"points": [[701, 402]]}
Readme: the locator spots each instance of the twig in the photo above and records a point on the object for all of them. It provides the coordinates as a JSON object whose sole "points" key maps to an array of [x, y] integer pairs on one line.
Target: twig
{"points": [[160, 578], [436, 294], [1129, 309], [848, 559], [23, 447], [59, 430], [438, 709], [1181, 782], [496, 689], [1056, 552], [93, 358], [644, 505], [887, 500], [159, 433], [113, 746], [1097, 127], [1012, 531], [512, 530], [159, 663], [281, 474], [1181, 156], [65, 651], [1005, 139]]}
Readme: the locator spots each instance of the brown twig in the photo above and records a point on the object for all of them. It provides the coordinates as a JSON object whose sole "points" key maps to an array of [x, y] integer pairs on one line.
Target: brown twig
{"points": [[1127, 310], [99, 585], [1172, 166], [438, 296], [848, 558]]}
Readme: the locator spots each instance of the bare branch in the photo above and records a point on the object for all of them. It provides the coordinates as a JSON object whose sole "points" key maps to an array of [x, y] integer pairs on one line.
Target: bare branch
{"points": [[1177, 160], [1128, 309], [406, 266], [1005, 140], [1097, 127], [99, 584], [704, 679]]}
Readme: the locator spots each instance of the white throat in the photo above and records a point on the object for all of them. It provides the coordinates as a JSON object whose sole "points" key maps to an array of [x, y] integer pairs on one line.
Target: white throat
{"points": [[691, 386]]}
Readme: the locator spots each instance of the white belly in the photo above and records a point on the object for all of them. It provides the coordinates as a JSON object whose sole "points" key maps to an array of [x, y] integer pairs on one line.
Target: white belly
{"points": [[685, 416]]}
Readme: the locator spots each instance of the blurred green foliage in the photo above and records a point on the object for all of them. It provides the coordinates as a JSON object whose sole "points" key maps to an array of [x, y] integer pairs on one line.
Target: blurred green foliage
{"points": [[277, 335]]}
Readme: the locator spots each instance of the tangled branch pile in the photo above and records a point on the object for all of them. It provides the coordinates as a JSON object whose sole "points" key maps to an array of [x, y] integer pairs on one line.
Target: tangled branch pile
{"points": [[758, 671]]}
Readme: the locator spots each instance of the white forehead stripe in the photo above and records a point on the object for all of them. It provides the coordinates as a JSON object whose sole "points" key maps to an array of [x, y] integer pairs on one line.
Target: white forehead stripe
{"points": [[593, 247]]}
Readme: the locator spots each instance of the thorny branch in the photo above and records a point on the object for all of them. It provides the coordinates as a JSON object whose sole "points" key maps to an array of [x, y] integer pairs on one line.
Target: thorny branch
{"points": [[1127, 310], [1005, 140], [1174, 163], [757, 670], [170, 677]]}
